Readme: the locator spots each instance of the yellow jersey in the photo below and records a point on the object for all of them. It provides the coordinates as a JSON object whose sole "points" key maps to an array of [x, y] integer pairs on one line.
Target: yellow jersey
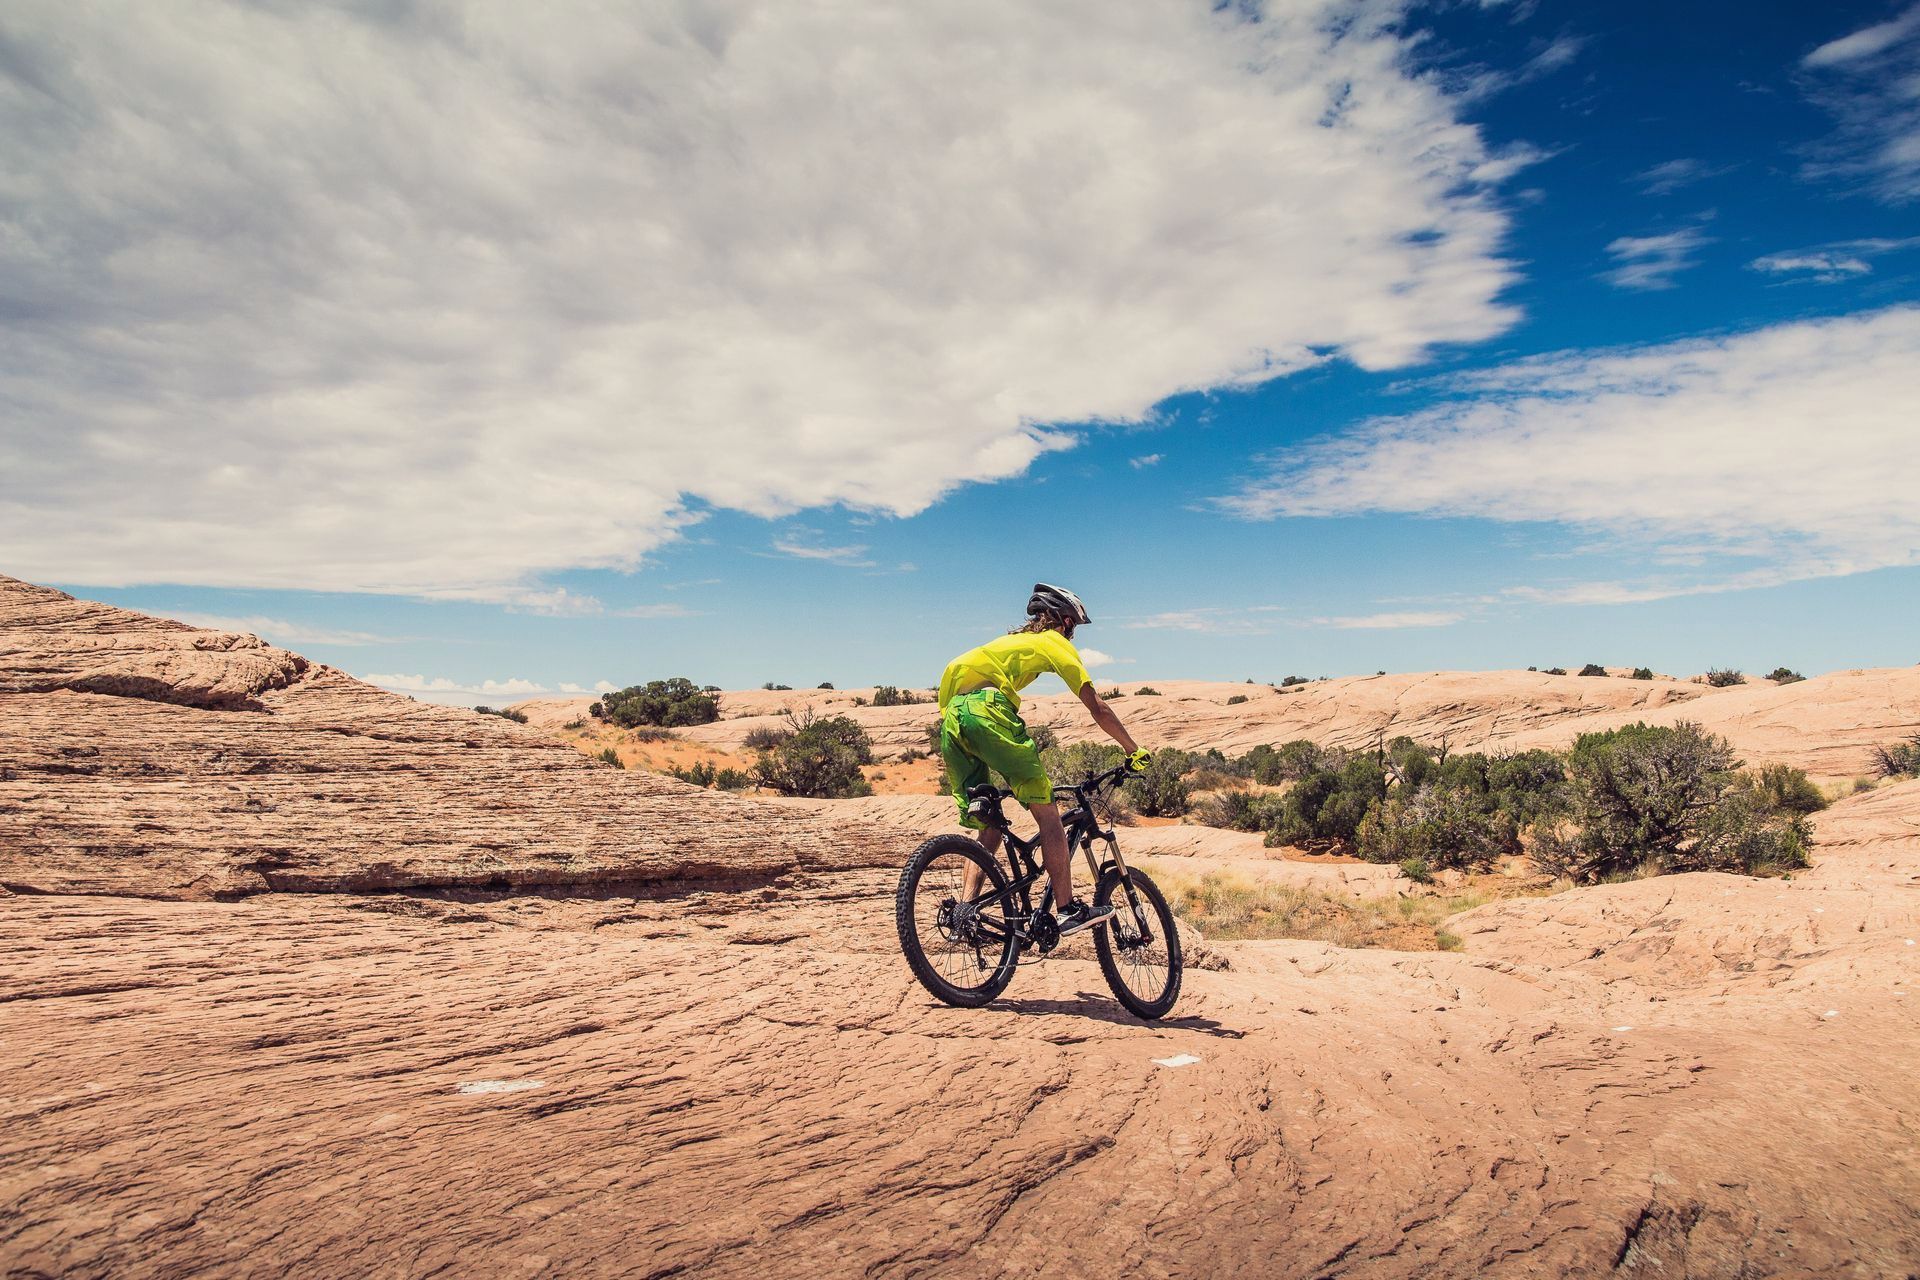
{"points": [[1011, 663]]}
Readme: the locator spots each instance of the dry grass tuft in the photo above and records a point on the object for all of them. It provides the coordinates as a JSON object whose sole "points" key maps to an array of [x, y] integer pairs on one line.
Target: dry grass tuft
{"points": [[1229, 907]]}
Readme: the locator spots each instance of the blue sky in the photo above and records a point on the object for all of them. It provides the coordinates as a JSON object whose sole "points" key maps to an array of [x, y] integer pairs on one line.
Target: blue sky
{"points": [[1369, 337]]}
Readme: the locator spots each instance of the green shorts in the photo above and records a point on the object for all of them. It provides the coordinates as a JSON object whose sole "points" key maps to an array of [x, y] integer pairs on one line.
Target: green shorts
{"points": [[981, 731]]}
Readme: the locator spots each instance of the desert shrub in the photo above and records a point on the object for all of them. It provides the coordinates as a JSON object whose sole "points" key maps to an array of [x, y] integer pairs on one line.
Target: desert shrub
{"points": [[1146, 691], [1642, 673], [1528, 786], [660, 703], [1416, 870], [1593, 669], [765, 737], [598, 711], [1236, 699], [1787, 789], [1746, 834], [772, 687], [651, 733], [1324, 809], [733, 780], [1901, 760], [1442, 824], [1161, 790], [888, 696], [824, 684], [1289, 762], [1044, 739], [610, 756], [1238, 810], [1783, 675], [1556, 671], [1288, 682], [1639, 795], [505, 713], [1721, 677], [575, 723], [700, 773], [818, 757]]}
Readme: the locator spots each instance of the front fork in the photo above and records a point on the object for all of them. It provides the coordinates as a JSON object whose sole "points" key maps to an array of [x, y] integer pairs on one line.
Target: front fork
{"points": [[1127, 901]]}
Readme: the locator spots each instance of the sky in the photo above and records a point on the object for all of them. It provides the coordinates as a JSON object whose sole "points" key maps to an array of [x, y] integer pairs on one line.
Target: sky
{"points": [[487, 351]]}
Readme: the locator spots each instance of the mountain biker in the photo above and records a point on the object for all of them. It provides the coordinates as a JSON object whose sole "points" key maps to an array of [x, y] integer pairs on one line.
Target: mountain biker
{"points": [[981, 728]]}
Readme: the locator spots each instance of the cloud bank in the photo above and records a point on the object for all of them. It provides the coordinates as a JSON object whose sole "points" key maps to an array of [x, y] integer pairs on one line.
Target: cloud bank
{"points": [[438, 298], [1782, 453]]}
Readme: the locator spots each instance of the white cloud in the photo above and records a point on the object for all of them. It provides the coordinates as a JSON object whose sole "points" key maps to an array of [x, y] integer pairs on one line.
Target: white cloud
{"points": [[1870, 81], [1145, 460], [605, 686], [1391, 621], [1097, 658], [1830, 263], [1670, 175], [807, 546], [443, 300], [1786, 452], [1206, 621], [283, 633], [440, 684], [1651, 262], [567, 686]]}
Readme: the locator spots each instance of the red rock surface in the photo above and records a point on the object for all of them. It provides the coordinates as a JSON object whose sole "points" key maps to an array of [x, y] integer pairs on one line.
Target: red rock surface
{"points": [[140, 756], [1827, 725], [1696, 1076]]}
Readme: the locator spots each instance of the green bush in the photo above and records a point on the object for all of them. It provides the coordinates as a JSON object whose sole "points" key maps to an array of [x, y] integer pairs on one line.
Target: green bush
{"points": [[1288, 762], [1642, 796], [1556, 671], [1442, 825], [765, 737], [1747, 835], [1781, 675], [888, 696], [733, 780], [505, 713], [1161, 790], [1722, 677], [612, 757], [771, 686], [1146, 691], [1901, 760], [1787, 789], [1643, 673], [1238, 810], [818, 757], [1289, 681], [1416, 870], [1236, 699], [700, 773], [1324, 810], [1593, 669], [824, 684], [673, 702]]}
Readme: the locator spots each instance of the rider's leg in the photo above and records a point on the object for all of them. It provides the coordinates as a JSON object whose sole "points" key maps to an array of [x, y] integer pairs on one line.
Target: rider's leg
{"points": [[974, 878], [1053, 851]]}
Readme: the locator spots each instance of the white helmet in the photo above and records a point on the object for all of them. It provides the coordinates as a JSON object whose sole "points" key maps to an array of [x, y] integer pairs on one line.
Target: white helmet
{"points": [[1058, 601]]}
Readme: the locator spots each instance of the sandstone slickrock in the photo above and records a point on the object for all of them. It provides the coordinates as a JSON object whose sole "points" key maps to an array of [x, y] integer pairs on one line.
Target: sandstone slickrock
{"points": [[141, 756], [640, 1074], [1827, 725]]}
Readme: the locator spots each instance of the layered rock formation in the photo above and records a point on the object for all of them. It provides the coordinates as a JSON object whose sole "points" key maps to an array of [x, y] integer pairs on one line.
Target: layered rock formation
{"points": [[1828, 725], [140, 756]]}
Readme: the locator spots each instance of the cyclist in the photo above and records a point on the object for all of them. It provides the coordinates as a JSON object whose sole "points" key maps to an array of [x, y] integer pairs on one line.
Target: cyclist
{"points": [[981, 728]]}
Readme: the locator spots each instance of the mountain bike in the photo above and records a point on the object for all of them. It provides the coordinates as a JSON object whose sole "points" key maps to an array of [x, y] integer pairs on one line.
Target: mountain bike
{"points": [[964, 920]]}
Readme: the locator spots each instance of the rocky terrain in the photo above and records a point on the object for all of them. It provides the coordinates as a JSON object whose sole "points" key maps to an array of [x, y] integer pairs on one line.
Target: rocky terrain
{"points": [[305, 978], [1827, 725]]}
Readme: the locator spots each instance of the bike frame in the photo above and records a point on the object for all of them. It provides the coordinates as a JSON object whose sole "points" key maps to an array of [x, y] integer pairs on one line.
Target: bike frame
{"points": [[1082, 830]]}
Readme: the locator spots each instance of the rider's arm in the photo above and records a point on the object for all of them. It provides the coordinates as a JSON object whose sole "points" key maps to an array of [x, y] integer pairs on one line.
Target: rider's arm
{"points": [[1104, 717]]}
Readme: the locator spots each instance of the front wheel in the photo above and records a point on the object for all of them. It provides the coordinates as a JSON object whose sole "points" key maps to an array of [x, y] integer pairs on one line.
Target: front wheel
{"points": [[1138, 946], [953, 912]]}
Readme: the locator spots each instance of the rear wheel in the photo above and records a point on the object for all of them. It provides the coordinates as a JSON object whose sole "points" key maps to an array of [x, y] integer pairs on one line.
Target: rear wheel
{"points": [[959, 944], [1139, 947]]}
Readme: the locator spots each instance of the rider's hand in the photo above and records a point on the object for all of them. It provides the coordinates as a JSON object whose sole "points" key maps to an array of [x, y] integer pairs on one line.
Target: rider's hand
{"points": [[1137, 762]]}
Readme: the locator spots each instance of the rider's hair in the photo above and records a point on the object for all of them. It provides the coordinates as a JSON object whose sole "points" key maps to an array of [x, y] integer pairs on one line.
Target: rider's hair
{"points": [[1045, 622]]}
